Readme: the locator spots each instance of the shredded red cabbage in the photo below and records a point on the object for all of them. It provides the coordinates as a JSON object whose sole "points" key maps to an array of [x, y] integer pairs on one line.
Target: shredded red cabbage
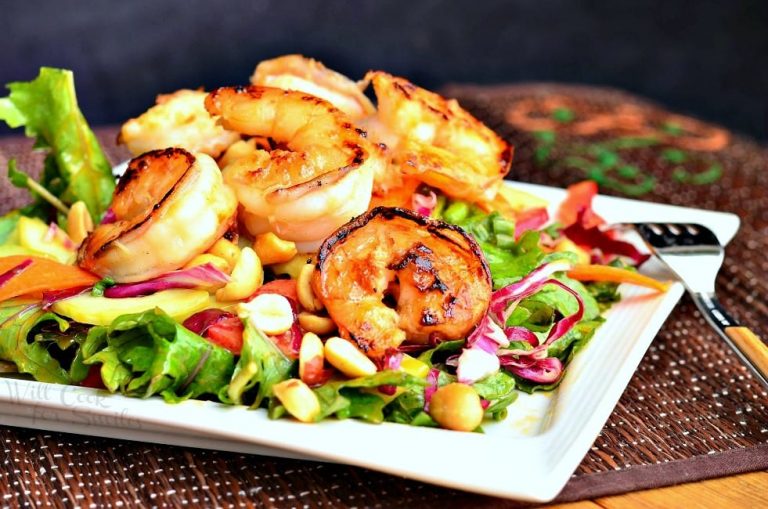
{"points": [[502, 299], [490, 336], [6, 276], [558, 330], [393, 360], [532, 219], [521, 334], [387, 390], [594, 238], [206, 275], [431, 387], [487, 336], [532, 364], [542, 371], [422, 204]]}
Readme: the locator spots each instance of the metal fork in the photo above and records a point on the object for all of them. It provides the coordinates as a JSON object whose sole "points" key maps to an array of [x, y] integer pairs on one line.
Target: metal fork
{"points": [[695, 255]]}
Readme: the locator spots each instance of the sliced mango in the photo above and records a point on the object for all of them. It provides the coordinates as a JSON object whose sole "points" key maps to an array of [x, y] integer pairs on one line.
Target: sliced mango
{"points": [[179, 304], [414, 366]]}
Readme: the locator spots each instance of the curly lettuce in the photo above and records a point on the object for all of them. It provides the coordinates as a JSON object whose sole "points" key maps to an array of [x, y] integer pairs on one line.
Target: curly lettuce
{"points": [[75, 168], [149, 353]]}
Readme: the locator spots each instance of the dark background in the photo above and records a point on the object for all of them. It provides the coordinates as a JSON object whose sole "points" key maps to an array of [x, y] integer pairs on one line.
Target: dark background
{"points": [[708, 59]]}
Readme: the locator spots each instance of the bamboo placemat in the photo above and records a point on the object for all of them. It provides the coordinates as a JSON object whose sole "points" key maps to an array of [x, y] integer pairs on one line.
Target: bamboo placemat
{"points": [[690, 412]]}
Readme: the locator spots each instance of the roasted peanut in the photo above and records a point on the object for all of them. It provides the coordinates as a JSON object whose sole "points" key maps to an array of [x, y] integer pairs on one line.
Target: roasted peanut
{"points": [[320, 325], [247, 276], [79, 222], [304, 290], [298, 399], [272, 249], [347, 358]]}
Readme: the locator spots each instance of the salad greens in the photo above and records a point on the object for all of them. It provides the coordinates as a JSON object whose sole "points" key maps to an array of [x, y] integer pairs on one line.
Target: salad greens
{"points": [[150, 353], [75, 168]]}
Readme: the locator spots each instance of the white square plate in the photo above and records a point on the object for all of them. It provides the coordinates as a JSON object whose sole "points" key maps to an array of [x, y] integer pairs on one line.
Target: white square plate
{"points": [[528, 456]]}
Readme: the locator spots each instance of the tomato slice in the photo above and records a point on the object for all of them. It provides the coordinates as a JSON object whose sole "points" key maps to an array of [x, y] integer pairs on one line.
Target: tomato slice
{"points": [[227, 332], [93, 378], [284, 287]]}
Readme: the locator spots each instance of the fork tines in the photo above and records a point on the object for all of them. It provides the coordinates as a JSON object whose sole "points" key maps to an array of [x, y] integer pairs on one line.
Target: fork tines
{"points": [[662, 235]]}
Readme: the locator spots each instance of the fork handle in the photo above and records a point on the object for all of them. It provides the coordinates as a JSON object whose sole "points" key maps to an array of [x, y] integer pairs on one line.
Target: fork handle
{"points": [[745, 343]]}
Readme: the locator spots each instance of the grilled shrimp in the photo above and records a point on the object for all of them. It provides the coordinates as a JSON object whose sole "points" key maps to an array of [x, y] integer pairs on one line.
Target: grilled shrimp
{"points": [[169, 206], [391, 276], [438, 141], [296, 72], [317, 177], [177, 120]]}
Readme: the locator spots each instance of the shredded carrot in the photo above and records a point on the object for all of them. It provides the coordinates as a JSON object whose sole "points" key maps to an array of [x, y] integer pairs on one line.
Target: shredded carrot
{"points": [[42, 275], [615, 275]]}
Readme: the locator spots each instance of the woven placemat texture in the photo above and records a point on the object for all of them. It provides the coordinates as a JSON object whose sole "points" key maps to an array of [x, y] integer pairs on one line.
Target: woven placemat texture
{"points": [[691, 411]]}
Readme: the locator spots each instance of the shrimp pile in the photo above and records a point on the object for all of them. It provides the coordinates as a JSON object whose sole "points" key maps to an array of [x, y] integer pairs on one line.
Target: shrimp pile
{"points": [[298, 161]]}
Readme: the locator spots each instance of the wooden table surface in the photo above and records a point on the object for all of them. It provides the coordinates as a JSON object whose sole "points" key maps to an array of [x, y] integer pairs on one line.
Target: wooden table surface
{"points": [[738, 491]]}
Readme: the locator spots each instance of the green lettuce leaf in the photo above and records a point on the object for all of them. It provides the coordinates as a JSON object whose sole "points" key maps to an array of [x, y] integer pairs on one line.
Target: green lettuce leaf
{"points": [[499, 390], [565, 347], [149, 353], [408, 406], [559, 299], [357, 398], [260, 367], [18, 318], [75, 168]]}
